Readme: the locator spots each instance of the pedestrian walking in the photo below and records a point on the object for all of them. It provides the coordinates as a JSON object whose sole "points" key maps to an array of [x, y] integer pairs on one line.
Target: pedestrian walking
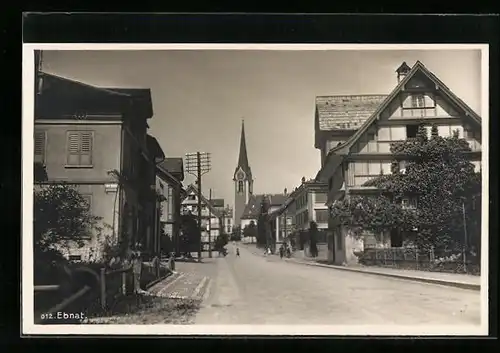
{"points": [[137, 270], [237, 252], [282, 251]]}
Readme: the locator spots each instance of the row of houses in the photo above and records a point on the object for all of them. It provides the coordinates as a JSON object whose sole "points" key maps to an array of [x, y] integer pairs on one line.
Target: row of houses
{"points": [[353, 134], [96, 139]]}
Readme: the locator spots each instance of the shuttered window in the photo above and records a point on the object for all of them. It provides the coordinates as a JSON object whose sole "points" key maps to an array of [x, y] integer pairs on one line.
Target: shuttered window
{"points": [[80, 148], [39, 146]]}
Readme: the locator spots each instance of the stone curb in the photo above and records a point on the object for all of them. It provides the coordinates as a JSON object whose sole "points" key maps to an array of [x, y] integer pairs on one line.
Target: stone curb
{"points": [[442, 282], [156, 281], [462, 285]]}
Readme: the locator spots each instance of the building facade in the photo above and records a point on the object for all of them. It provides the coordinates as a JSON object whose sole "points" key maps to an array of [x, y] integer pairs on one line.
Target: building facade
{"points": [[169, 177], [418, 98], [96, 139]]}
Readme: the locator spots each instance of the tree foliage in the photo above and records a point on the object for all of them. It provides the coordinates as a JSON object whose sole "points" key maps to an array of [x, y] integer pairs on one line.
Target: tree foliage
{"points": [[221, 241], [62, 219], [439, 176], [250, 230], [236, 234], [263, 223], [190, 236], [61, 216], [313, 238]]}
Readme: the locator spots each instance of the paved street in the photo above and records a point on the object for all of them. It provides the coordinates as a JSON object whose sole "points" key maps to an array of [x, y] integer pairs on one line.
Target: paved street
{"points": [[254, 289]]}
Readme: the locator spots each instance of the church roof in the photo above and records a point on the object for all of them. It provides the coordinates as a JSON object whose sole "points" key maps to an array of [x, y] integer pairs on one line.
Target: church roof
{"points": [[252, 209], [243, 156]]}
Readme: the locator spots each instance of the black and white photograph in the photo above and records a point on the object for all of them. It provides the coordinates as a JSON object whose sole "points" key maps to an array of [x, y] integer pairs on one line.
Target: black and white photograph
{"points": [[241, 189]]}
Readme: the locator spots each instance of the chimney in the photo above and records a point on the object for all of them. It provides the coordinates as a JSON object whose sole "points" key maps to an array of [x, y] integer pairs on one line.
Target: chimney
{"points": [[402, 71], [285, 191], [303, 180]]}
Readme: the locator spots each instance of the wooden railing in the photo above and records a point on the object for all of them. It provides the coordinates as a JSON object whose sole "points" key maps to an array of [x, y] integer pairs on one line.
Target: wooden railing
{"points": [[105, 287]]}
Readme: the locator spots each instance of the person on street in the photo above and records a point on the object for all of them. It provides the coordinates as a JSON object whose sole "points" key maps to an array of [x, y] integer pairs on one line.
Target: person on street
{"points": [[282, 251], [137, 269], [238, 252]]}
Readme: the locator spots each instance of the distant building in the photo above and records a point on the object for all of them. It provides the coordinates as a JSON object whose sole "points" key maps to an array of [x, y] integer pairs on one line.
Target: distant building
{"points": [[228, 219], [96, 139], [354, 135], [253, 208], [211, 216]]}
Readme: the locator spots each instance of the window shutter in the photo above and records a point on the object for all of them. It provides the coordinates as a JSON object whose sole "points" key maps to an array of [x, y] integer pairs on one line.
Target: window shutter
{"points": [[86, 148], [39, 142], [73, 148]]}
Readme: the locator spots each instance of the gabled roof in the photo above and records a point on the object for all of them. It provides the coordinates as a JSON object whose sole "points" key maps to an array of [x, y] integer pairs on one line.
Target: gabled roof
{"points": [[193, 189], [140, 96], [49, 79], [311, 184], [252, 209], [345, 112], [60, 96], [167, 176], [418, 67], [175, 166]]}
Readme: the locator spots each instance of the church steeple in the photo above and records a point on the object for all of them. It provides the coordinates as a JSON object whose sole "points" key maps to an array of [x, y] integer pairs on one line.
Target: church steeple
{"points": [[243, 157], [243, 181]]}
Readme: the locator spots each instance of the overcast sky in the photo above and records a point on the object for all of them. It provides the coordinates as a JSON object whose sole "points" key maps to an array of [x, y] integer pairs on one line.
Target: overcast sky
{"points": [[200, 97]]}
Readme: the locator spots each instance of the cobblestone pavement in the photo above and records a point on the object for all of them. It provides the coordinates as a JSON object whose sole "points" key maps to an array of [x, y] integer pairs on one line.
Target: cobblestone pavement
{"points": [[253, 289], [190, 281]]}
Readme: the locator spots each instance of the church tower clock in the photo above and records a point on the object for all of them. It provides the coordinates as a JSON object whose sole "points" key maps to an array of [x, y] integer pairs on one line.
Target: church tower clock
{"points": [[243, 181]]}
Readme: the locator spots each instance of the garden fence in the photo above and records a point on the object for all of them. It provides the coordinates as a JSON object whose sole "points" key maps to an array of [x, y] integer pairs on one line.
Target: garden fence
{"points": [[102, 287], [419, 259]]}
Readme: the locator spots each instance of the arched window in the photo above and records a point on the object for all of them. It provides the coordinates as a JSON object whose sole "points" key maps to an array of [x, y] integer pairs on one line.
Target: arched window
{"points": [[240, 186]]}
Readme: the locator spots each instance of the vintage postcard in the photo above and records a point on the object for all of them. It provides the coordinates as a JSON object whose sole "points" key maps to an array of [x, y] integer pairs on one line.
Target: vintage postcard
{"points": [[255, 189]]}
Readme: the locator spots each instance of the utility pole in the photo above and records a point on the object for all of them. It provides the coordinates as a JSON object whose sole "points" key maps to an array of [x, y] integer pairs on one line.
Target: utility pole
{"points": [[210, 224], [198, 164]]}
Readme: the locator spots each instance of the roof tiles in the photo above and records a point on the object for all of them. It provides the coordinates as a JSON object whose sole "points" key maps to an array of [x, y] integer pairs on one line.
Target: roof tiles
{"points": [[346, 112]]}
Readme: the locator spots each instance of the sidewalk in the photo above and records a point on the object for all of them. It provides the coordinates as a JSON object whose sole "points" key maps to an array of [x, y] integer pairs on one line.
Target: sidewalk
{"points": [[189, 281], [441, 278]]}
